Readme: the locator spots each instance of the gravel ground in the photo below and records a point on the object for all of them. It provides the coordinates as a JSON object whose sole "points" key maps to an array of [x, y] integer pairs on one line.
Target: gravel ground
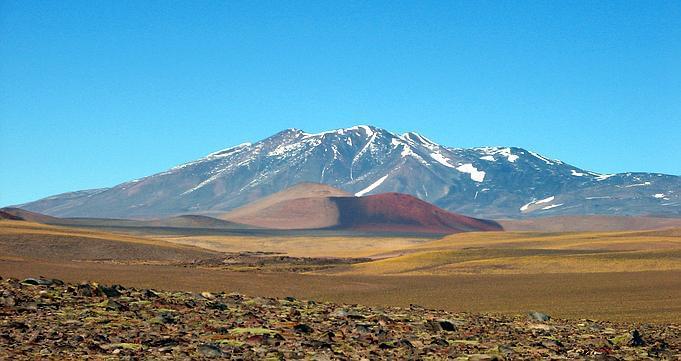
{"points": [[49, 319]]}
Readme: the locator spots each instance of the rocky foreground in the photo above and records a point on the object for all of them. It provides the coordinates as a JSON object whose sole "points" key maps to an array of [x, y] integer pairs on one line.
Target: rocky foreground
{"points": [[49, 319]]}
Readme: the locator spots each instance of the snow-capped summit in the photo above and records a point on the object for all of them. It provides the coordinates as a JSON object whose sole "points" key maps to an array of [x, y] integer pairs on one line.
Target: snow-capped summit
{"points": [[485, 182]]}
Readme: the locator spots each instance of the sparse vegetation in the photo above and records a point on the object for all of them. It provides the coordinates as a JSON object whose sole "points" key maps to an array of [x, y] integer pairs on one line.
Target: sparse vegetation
{"points": [[50, 319]]}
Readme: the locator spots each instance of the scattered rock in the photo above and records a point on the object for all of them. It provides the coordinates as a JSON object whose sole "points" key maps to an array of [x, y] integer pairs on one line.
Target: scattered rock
{"points": [[167, 317], [7, 301], [301, 327], [216, 306], [151, 294], [210, 350], [37, 282], [67, 321], [636, 339], [18, 325], [109, 291], [538, 316], [87, 290], [207, 295], [446, 325]]}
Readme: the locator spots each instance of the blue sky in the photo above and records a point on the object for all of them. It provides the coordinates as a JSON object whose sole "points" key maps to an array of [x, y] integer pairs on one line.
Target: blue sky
{"points": [[95, 93]]}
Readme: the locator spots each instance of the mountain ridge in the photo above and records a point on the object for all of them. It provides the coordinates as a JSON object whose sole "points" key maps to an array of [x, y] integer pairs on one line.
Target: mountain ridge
{"points": [[487, 182]]}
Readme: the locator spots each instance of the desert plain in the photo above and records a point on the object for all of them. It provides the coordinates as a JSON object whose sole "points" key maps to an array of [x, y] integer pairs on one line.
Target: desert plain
{"points": [[632, 276]]}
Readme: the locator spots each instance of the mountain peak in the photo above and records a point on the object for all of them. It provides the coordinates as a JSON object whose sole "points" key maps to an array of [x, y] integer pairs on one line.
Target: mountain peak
{"points": [[364, 159], [417, 138], [368, 131]]}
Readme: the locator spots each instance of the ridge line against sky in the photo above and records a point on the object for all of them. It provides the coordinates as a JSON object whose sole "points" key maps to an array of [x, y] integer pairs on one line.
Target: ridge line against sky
{"points": [[96, 93]]}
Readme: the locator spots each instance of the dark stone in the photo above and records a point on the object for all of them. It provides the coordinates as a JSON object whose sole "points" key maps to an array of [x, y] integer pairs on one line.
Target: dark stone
{"points": [[18, 325], [290, 299], [167, 317], [116, 306], [37, 282], [109, 291], [433, 326], [316, 344], [150, 294], [447, 326], [217, 306], [301, 327], [163, 342], [440, 342], [86, 290], [636, 339]]}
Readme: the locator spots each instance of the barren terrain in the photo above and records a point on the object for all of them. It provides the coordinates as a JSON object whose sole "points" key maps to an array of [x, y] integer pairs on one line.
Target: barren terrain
{"points": [[45, 318], [625, 276]]}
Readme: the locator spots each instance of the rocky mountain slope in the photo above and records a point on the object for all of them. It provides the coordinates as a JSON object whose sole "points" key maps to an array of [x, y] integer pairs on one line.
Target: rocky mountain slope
{"points": [[488, 182]]}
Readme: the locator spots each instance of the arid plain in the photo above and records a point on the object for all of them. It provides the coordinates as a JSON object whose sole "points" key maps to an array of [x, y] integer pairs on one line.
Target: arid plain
{"points": [[615, 275]]}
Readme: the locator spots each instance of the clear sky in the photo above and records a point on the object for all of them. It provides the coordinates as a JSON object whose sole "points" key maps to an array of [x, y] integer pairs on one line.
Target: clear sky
{"points": [[94, 93]]}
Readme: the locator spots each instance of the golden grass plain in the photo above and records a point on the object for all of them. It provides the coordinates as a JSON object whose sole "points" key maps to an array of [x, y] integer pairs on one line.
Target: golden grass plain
{"points": [[533, 252], [302, 246], [626, 276]]}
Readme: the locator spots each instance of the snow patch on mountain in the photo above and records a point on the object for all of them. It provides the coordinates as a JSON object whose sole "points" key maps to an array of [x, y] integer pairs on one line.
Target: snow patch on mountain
{"points": [[602, 177], [373, 186], [505, 152], [476, 175], [438, 157], [407, 151], [228, 151], [533, 202], [539, 156], [419, 139], [552, 206], [638, 185]]}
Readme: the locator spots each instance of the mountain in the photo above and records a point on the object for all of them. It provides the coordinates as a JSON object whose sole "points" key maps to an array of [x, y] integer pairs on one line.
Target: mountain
{"points": [[403, 212], [488, 182], [24, 215], [303, 206], [309, 206], [9, 216], [183, 221]]}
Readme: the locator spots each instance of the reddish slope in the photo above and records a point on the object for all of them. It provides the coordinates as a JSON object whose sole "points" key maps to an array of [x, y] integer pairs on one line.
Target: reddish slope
{"points": [[21, 214], [9, 216], [303, 206], [403, 213], [314, 206]]}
